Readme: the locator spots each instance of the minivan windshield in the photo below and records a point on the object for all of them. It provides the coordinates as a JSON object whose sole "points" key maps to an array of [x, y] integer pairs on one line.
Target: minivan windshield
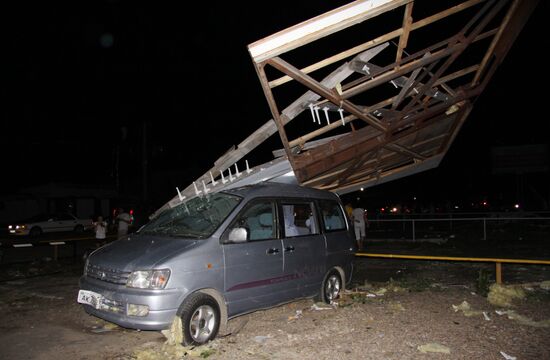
{"points": [[197, 218]]}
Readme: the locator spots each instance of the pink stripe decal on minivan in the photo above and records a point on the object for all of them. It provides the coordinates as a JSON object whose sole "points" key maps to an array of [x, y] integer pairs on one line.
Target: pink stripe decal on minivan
{"points": [[256, 283]]}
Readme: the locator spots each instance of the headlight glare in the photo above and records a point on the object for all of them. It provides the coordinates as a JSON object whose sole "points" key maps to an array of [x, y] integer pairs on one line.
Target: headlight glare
{"points": [[148, 279]]}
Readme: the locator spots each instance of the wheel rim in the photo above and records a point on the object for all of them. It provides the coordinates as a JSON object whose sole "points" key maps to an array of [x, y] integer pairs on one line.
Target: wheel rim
{"points": [[332, 288], [202, 323]]}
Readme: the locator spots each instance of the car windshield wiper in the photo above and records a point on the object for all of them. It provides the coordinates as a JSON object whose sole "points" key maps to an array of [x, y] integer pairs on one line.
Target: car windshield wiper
{"points": [[186, 235]]}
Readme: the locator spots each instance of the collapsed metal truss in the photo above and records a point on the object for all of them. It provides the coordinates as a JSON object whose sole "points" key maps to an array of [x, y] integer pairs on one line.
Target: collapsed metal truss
{"points": [[385, 107]]}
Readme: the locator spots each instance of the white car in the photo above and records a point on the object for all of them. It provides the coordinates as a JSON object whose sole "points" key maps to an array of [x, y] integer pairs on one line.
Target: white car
{"points": [[46, 223]]}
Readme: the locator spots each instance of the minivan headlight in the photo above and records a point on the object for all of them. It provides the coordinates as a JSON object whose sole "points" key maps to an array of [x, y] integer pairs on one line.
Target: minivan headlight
{"points": [[148, 279]]}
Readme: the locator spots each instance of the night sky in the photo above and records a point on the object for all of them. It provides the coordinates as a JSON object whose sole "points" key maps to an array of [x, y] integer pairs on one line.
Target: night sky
{"points": [[82, 83]]}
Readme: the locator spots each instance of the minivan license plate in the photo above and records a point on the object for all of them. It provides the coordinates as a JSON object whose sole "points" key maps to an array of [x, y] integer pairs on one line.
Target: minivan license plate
{"points": [[89, 298]]}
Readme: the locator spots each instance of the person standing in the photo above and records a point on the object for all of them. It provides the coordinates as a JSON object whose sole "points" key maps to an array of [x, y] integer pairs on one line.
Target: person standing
{"points": [[349, 210], [100, 228], [358, 216], [124, 220]]}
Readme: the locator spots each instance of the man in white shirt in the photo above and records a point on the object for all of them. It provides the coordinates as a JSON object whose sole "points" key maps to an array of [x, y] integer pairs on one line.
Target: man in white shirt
{"points": [[124, 220], [358, 216]]}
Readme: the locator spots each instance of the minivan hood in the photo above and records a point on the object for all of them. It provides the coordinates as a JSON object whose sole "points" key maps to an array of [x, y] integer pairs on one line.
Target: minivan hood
{"points": [[139, 252]]}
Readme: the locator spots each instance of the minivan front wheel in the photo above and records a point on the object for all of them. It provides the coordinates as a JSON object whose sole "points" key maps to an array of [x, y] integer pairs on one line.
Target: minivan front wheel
{"points": [[200, 317], [332, 285]]}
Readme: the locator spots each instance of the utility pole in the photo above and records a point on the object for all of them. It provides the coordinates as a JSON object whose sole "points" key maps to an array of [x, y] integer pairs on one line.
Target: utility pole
{"points": [[144, 160]]}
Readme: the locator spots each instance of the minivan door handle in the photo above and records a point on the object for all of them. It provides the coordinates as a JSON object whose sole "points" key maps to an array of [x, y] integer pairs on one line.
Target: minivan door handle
{"points": [[289, 249], [272, 251]]}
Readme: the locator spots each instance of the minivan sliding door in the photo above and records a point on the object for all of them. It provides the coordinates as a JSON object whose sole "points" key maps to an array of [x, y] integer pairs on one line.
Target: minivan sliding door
{"points": [[254, 267], [304, 246]]}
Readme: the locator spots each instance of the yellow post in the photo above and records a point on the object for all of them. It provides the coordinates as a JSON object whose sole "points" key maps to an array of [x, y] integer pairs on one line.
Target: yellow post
{"points": [[499, 272]]}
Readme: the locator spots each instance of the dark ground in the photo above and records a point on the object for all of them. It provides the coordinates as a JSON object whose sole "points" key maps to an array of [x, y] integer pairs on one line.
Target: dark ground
{"points": [[42, 320]]}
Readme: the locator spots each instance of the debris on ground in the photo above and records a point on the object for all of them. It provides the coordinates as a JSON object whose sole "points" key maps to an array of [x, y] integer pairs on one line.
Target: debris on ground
{"points": [[380, 291], [106, 327], [296, 316], [466, 309], [507, 357], [261, 339], [172, 347], [396, 306], [321, 306], [524, 320], [545, 285], [504, 295], [434, 348], [174, 335], [168, 351]]}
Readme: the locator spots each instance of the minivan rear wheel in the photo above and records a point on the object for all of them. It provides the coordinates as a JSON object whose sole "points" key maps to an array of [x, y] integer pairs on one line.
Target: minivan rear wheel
{"points": [[200, 317], [331, 287]]}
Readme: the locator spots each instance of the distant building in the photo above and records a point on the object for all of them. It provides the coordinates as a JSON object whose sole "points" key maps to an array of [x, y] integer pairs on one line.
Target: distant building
{"points": [[80, 200]]}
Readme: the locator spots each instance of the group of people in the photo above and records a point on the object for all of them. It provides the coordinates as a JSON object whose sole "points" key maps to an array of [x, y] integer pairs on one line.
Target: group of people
{"points": [[123, 220], [358, 217]]}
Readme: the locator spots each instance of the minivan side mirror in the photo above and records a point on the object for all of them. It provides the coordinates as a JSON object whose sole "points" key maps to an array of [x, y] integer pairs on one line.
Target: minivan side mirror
{"points": [[237, 235]]}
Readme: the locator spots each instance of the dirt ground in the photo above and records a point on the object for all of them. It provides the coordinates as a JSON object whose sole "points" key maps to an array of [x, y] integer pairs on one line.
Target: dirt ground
{"points": [[382, 319]]}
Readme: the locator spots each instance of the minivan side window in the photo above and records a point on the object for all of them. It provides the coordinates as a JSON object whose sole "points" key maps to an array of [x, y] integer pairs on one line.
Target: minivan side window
{"points": [[299, 218], [259, 221], [333, 217]]}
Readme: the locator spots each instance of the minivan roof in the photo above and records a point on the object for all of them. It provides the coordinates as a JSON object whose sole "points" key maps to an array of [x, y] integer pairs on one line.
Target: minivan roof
{"points": [[271, 189]]}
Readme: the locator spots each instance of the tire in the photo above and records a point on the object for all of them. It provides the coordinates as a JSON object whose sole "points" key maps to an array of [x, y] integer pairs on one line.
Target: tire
{"points": [[331, 287], [79, 229], [200, 319], [35, 232]]}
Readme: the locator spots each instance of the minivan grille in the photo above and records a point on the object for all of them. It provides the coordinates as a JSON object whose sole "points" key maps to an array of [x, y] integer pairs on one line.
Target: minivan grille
{"points": [[105, 274]]}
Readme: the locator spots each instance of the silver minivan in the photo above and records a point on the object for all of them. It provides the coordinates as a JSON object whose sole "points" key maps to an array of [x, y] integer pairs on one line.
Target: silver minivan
{"points": [[221, 255]]}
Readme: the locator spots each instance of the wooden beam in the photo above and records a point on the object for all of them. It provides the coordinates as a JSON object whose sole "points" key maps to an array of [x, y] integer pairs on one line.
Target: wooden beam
{"points": [[496, 39], [463, 44], [390, 72], [274, 110], [404, 38], [405, 89], [340, 56], [317, 161], [357, 164], [319, 27], [330, 81], [443, 14], [333, 97], [371, 43]]}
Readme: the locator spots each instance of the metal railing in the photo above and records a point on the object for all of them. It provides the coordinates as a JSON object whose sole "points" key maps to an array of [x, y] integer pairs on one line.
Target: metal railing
{"points": [[485, 228], [498, 261]]}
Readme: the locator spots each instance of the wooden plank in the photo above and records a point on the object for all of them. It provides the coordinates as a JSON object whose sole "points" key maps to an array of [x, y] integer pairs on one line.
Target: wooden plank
{"points": [[404, 38], [390, 72], [274, 110], [405, 89], [386, 37], [307, 137], [340, 56], [330, 81], [461, 46], [312, 84], [443, 14], [317, 161], [369, 165], [319, 27]]}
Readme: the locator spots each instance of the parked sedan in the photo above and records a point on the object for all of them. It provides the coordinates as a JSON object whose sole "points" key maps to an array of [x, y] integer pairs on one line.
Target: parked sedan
{"points": [[46, 223]]}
